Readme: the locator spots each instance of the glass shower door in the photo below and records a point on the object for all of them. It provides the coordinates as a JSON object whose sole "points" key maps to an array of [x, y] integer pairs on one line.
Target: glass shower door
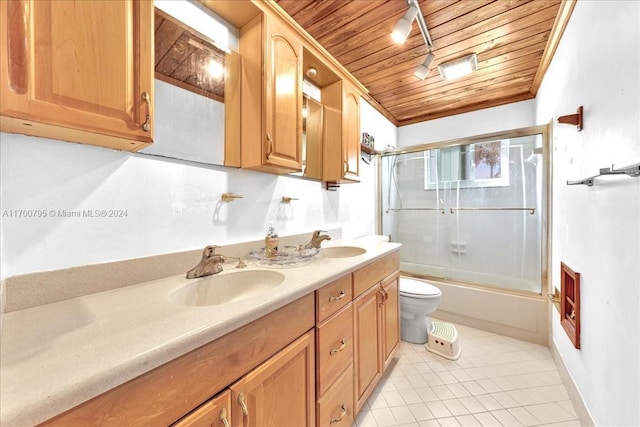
{"points": [[470, 212]]}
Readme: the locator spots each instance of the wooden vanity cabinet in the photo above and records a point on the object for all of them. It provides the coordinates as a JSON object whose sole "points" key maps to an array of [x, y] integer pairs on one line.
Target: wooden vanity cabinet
{"points": [[78, 71], [312, 362], [271, 106], [368, 363], [271, 349], [334, 353], [390, 317], [342, 155], [214, 413], [376, 323], [281, 391]]}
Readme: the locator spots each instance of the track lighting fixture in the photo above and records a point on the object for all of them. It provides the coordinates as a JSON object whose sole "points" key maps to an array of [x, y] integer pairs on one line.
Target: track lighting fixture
{"points": [[423, 69], [403, 28]]}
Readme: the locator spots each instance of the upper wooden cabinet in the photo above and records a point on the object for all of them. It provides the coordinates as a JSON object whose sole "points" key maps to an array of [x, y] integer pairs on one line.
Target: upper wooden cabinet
{"points": [[342, 153], [78, 71], [276, 53], [271, 118], [351, 132]]}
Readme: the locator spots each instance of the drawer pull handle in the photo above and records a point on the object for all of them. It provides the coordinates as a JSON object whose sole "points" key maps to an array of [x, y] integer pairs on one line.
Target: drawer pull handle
{"points": [[337, 420], [223, 417], [243, 405], [343, 344], [339, 297]]}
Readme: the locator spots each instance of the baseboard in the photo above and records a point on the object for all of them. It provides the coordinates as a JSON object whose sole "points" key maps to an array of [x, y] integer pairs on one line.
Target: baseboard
{"points": [[574, 395]]}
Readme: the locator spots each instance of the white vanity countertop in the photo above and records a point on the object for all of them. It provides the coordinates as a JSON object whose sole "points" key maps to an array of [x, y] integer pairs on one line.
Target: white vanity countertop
{"points": [[56, 356]]}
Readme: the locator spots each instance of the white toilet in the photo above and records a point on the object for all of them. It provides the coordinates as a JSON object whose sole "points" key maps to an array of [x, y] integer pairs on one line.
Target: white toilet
{"points": [[418, 298]]}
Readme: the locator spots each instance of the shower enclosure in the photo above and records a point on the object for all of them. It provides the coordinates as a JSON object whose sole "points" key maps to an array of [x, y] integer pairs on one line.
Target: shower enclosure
{"points": [[470, 211]]}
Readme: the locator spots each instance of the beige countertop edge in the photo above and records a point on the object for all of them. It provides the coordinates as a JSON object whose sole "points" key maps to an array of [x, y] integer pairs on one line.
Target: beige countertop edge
{"points": [[57, 356]]}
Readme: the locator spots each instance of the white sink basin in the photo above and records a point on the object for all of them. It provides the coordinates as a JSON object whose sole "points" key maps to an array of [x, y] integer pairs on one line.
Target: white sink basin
{"points": [[342, 251], [226, 287]]}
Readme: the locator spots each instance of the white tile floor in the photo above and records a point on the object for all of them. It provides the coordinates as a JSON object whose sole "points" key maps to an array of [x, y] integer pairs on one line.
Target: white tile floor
{"points": [[498, 381]]}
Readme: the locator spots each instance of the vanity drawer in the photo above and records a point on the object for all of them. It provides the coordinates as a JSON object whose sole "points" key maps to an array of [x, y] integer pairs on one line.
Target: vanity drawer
{"points": [[371, 274], [335, 408], [333, 297], [334, 348]]}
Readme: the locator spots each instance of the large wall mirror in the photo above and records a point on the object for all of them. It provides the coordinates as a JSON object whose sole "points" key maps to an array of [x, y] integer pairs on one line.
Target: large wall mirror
{"points": [[197, 83]]}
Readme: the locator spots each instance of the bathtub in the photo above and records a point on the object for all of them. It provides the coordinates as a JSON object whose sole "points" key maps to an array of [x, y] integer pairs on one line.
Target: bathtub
{"points": [[506, 310]]}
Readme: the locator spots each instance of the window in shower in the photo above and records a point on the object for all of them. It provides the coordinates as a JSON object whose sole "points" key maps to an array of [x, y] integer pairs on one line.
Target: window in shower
{"points": [[470, 212], [483, 164]]}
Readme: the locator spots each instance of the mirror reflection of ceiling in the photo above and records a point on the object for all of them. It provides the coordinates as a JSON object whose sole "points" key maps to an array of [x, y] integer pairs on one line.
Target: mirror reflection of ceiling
{"points": [[186, 59]]}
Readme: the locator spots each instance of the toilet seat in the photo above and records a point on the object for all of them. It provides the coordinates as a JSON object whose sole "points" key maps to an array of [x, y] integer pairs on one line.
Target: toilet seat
{"points": [[418, 289]]}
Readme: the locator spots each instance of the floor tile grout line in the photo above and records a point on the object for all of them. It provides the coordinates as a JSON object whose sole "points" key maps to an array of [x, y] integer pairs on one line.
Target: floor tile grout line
{"points": [[523, 383]]}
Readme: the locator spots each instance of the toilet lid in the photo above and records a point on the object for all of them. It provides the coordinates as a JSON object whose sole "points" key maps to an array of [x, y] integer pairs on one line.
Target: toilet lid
{"points": [[417, 287]]}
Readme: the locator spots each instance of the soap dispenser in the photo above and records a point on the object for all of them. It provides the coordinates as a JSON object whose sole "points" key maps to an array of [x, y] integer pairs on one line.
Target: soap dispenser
{"points": [[271, 242]]}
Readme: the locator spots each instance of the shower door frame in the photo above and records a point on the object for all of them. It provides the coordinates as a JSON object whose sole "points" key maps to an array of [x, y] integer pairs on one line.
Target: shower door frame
{"points": [[545, 202]]}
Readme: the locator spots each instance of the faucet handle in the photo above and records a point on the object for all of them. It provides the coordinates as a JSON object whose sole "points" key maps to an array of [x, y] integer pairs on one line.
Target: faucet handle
{"points": [[241, 263], [210, 251]]}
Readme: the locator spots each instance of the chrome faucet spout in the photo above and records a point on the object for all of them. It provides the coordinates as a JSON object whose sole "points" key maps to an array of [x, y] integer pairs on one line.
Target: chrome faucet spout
{"points": [[211, 263], [316, 239]]}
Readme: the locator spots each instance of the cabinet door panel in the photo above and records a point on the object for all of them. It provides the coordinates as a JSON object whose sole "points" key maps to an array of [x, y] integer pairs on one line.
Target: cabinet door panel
{"points": [[88, 64], [283, 107], [367, 360], [280, 392], [390, 318]]}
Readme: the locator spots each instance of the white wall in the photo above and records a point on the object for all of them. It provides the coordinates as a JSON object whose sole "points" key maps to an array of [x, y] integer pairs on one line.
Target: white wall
{"points": [[170, 205], [377, 125], [496, 119], [596, 230]]}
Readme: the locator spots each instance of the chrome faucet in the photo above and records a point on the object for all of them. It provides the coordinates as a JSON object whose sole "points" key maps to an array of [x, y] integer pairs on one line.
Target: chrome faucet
{"points": [[211, 263], [316, 239]]}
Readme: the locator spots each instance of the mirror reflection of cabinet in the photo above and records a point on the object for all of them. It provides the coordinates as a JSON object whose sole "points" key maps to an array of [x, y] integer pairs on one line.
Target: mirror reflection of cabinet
{"points": [[312, 143]]}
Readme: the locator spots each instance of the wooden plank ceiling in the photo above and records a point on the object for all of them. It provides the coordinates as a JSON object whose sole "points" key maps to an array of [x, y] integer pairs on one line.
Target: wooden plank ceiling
{"points": [[513, 39]]}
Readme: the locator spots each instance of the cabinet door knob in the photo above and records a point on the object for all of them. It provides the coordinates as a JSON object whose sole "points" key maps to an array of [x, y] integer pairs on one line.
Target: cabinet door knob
{"points": [[146, 126], [343, 344], [339, 297], [243, 405], [223, 417], [337, 420]]}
